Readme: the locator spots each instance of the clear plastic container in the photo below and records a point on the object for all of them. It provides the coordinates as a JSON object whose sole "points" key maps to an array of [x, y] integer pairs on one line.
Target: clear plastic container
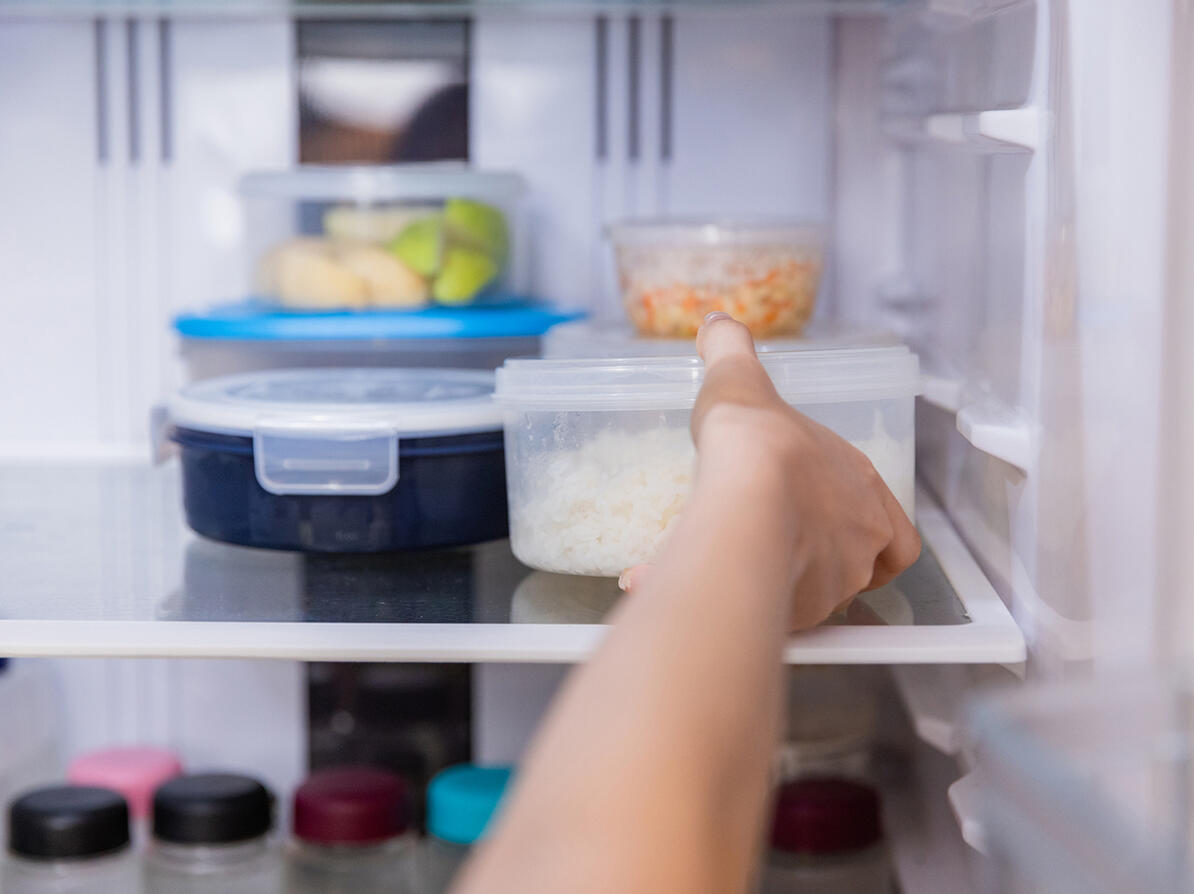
{"points": [[69, 840], [826, 838], [350, 460], [400, 236], [461, 802], [596, 340], [350, 834], [674, 272], [211, 836], [1084, 782], [831, 724], [599, 458]]}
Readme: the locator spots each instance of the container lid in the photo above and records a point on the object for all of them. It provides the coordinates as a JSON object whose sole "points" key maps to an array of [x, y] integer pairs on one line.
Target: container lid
{"points": [[593, 339], [256, 320], [384, 183], [134, 772], [715, 231], [68, 822], [800, 377], [825, 816], [461, 801], [336, 431], [350, 805], [211, 808]]}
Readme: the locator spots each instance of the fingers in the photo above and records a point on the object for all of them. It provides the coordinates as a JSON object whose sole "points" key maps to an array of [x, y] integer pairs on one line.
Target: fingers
{"points": [[632, 578], [722, 336], [904, 547], [733, 374]]}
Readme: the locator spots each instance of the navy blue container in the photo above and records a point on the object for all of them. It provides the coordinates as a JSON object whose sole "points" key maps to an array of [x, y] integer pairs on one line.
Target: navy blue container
{"points": [[450, 489]]}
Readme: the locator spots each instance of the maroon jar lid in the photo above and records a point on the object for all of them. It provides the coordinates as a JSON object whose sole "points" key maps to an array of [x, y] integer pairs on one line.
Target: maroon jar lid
{"points": [[823, 816], [350, 805]]}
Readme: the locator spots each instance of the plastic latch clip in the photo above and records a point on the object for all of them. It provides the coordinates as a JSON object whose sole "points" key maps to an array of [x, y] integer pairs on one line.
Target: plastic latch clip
{"points": [[310, 458]]}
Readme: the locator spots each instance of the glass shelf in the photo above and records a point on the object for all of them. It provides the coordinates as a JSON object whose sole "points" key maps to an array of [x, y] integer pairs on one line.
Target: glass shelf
{"points": [[97, 561]]}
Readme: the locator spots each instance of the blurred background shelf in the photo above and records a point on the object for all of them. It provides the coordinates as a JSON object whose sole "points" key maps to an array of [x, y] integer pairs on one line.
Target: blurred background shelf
{"points": [[98, 562], [411, 9]]}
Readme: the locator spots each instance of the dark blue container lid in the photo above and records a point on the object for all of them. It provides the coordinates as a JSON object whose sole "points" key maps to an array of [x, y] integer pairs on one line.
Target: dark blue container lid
{"points": [[257, 320]]}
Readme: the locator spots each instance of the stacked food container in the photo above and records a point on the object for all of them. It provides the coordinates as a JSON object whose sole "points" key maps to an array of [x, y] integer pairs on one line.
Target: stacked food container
{"points": [[596, 451], [410, 265]]}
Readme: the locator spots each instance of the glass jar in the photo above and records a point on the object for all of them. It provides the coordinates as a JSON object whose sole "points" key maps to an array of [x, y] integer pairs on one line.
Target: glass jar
{"points": [[351, 834], [461, 802], [826, 838], [69, 840], [211, 834]]}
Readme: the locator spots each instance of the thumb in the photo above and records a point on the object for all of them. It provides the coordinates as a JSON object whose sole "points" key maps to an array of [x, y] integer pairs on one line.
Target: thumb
{"points": [[721, 336]]}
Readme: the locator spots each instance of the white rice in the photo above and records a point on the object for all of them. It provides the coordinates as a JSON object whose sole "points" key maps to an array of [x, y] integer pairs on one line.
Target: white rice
{"points": [[609, 504]]}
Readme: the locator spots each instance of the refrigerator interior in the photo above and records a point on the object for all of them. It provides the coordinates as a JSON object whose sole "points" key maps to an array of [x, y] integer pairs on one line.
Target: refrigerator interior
{"points": [[964, 154]]}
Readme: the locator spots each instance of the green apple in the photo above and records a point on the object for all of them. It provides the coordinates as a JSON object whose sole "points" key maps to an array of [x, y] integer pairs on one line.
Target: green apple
{"points": [[420, 245], [477, 225], [465, 272]]}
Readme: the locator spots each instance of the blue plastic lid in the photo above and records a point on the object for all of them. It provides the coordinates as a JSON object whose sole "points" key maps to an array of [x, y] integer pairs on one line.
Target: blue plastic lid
{"points": [[462, 799], [256, 320]]}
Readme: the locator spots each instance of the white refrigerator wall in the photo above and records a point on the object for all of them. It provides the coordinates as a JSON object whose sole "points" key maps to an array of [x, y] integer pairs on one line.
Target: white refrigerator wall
{"points": [[993, 175]]}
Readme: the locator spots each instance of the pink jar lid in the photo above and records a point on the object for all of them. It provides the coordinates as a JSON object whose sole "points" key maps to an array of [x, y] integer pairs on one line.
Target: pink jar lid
{"points": [[350, 805], [134, 772]]}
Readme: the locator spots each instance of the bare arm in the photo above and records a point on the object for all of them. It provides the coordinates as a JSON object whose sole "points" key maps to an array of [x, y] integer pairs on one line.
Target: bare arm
{"points": [[650, 773]]}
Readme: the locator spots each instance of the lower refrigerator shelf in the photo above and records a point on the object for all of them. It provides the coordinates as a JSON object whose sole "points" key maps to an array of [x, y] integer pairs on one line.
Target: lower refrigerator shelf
{"points": [[96, 561]]}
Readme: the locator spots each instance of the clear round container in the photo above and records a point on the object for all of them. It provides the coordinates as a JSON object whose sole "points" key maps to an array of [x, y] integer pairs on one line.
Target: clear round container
{"points": [[69, 840], [673, 272], [384, 237], [826, 838], [112, 874], [599, 458], [461, 802], [350, 834], [831, 724], [249, 867], [211, 833]]}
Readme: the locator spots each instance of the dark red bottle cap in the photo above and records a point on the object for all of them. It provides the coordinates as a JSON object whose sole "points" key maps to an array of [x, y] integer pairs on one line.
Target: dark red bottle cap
{"points": [[350, 805], [824, 816]]}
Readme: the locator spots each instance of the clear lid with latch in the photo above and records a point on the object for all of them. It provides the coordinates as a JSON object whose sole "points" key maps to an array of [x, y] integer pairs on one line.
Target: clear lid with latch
{"points": [[323, 431]]}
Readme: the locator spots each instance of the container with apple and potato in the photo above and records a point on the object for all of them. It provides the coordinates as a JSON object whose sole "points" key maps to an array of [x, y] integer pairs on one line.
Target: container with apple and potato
{"points": [[383, 237]]}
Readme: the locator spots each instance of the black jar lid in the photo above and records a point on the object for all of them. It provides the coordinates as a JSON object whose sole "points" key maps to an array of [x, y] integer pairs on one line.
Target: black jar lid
{"points": [[211, 808], [68, 822]]}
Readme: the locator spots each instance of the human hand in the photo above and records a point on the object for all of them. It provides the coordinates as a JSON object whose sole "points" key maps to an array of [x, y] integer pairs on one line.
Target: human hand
{"points": [[757, 455]]}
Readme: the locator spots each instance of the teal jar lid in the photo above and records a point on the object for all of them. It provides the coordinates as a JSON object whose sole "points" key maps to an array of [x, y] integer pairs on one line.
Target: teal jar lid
{"points": [[462, 799]]}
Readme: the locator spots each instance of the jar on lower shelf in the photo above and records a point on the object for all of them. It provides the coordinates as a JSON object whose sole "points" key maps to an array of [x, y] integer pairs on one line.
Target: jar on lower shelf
{"points": [[351, 834], [461, 801], [826, 838]]}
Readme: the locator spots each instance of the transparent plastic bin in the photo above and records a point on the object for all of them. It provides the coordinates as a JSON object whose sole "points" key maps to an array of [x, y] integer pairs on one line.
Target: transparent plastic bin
{"points": [[398, 236], [1086, 786], [674, 272], [599, 457]]}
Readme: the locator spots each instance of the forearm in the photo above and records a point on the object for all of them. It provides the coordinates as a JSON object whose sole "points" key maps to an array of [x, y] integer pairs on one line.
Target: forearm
{"points": [[650, 773]]}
